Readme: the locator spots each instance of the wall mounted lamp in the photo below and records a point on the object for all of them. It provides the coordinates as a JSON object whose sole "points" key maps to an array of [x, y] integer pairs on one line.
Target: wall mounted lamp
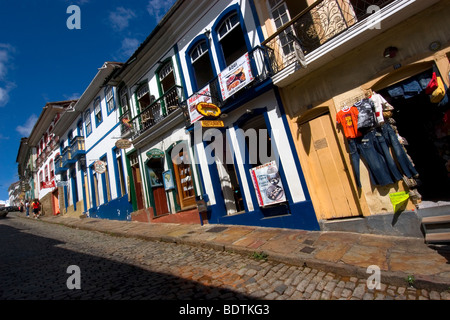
{"points": [[390, 52]]}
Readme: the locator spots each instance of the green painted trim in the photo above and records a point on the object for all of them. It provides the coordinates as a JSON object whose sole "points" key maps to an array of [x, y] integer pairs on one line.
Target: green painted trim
{"points": [[132, 190], [149, 187], [145, 181]]}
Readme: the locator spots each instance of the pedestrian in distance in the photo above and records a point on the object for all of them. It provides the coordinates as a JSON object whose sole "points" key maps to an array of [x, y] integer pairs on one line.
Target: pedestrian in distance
{"points": [[36, 208]]}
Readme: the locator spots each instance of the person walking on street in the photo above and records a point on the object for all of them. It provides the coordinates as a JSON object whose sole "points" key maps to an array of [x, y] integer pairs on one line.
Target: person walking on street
{"points": [[36, 208]]}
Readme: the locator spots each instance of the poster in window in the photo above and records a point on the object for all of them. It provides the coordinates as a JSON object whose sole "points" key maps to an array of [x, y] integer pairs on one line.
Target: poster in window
{"points": [[168, 180], [155, 177], [268, 186], [235, 77], [203, 95]]}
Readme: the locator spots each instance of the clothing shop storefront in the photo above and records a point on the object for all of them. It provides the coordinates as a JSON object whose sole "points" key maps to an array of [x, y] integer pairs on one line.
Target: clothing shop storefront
{"points": [[371, 139], [396, 135], [424, 120]]}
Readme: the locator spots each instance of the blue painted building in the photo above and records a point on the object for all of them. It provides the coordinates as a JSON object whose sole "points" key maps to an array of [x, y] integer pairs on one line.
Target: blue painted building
{"points": [[224, 64], [90, 167], [209, 53]]}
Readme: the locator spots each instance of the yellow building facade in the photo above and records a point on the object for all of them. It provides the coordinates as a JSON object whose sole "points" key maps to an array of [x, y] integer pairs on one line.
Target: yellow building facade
{"points": [[359, 48]]}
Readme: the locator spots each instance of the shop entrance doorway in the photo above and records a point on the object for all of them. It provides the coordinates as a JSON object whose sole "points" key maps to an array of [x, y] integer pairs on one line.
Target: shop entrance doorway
{"points": [[155, 169], [425, 128]]}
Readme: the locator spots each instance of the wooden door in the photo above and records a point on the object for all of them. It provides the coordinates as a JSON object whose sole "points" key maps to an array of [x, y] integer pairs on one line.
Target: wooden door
{"points": [[155, 169], [184, 180], [55, 202], [138, 187], [159, 194], [329, 178]]}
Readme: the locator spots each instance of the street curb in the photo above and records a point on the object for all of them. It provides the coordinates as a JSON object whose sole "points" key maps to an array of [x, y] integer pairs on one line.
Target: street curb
{"points": [[396, 278]]}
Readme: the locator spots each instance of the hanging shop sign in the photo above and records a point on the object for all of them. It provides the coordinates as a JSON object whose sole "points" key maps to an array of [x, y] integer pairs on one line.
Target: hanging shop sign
{"points": [[123, 144], [212, 124], [100, 166], [155, 154], [268, 186], [208, 110], [48, 184], [203, 96], [235, 77]]}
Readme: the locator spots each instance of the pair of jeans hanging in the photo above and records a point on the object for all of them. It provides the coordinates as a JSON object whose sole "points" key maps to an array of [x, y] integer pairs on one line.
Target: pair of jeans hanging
{"points": [[391, 138], [382, 148], [365, 148]]}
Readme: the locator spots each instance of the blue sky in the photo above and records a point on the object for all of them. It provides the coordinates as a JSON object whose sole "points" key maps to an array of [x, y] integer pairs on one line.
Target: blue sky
{"points": [[41, 60]]}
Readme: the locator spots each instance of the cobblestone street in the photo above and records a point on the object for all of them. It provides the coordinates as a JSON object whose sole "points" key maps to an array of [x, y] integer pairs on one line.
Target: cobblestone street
{"points": [[37, 255]]}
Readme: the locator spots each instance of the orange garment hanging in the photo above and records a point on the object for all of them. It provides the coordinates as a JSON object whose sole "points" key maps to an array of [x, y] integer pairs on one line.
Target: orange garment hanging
{"points": [[348, 118]]}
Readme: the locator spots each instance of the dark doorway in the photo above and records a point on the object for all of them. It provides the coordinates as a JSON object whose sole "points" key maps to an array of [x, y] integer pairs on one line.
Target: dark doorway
{"points": [[420, 122]]}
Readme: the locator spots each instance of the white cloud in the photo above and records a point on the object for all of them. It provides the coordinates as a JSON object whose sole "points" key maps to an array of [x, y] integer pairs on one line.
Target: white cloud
{"points": [[129, 46], [73, 96], [25, 129], [158, 8], [120, 18], [4, 97], [6, 86]]}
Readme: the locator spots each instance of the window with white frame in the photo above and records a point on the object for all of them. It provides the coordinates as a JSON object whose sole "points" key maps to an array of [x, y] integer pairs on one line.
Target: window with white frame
{"points": [[167, 77], [143, 97], [87, 122], [201, 64], [52, 169], [231, 38], [110, 100], [281, 16], [124, 101], [98, 112], [46, 173]]}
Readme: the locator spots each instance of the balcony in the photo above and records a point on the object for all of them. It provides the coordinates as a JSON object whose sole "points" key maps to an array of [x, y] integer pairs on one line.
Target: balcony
{"points": [[153, 114], [329, 28], [59, 167], [67, 159], [77, 148]]}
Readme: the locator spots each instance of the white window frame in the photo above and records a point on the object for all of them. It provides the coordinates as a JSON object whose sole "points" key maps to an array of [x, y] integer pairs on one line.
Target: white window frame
{"points": [[88, 122], [98, 111], [228, 25], [109, 96]]}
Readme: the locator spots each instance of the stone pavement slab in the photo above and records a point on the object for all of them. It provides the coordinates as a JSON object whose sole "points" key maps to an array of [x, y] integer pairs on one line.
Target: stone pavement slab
{"points": [[345, 253]]}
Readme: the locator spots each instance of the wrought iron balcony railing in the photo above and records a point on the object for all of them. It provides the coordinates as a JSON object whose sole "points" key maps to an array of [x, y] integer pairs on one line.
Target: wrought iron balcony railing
{"points": [[316, 25], [153, 114]]}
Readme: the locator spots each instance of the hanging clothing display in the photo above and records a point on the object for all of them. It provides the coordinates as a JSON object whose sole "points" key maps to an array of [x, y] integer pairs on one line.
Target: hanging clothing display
{"points": [[366, 117], [392, 138], [348, 118], [371, 138], [365, 148]]}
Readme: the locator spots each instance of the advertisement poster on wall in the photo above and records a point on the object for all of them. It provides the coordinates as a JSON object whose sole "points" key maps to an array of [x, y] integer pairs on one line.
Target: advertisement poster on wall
{"points": [[203, 95], [168, 180], [235, 77], [268, 186]]}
